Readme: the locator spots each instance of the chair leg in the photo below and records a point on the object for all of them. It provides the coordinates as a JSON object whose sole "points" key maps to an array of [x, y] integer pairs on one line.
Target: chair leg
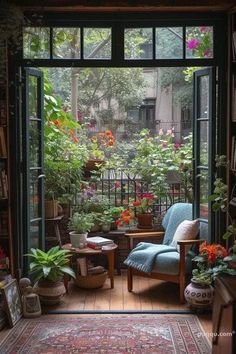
{"points": [[181, 289], [130, 279]]}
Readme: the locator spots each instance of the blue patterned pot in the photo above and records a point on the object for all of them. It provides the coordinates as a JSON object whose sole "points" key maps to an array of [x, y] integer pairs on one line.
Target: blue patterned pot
{"points": [[199, 295]]}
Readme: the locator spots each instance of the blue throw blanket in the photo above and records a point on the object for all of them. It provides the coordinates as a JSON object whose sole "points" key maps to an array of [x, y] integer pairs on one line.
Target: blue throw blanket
{"points": [[143, 256]]}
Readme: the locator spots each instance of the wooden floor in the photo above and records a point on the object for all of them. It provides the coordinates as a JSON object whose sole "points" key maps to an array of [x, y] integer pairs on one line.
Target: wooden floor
{"points": [[148, 294]]}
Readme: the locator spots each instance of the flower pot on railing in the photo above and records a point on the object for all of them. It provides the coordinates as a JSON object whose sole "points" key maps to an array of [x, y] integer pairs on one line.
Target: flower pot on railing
{"points": [[145, 221]]}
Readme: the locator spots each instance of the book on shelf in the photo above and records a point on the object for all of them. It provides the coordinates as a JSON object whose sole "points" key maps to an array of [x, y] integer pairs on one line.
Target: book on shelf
{"points": [[3, 112], [82, 268], [234, 45], [3, 147], [3, 184], [233, 153], [99, 241]]}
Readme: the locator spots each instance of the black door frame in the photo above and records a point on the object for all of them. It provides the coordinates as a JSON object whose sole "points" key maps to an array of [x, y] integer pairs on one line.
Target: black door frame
{"points": [[119, 22]]}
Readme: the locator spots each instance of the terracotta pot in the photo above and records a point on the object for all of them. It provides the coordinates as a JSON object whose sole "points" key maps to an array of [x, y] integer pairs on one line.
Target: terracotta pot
{"points": [[51, 209], [145, 220], [199, 295], [50, 293]]}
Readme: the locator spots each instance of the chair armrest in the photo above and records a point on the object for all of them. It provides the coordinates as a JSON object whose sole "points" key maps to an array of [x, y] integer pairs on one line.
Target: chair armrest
{"points": [[189, 242], [132, 235]]}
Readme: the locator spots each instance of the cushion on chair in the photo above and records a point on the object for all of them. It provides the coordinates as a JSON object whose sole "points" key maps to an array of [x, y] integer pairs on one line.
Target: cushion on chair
{"points": [[174, 216], [168, 263], [187, 230]]}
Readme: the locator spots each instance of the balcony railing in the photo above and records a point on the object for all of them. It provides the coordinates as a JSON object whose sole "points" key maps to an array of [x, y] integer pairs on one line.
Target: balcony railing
{"points": [[121, 187]]}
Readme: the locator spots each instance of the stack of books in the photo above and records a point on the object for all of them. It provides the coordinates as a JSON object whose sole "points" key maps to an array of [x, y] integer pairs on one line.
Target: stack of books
{"points": [[98, 242]]}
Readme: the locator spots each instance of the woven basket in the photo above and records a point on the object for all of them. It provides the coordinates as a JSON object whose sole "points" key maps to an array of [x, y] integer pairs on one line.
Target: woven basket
{"points": [[91, 281]]}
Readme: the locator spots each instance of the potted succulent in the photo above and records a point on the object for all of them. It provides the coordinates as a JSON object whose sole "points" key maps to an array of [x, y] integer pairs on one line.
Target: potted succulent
{"points": [[80, 223], [48, 269]]}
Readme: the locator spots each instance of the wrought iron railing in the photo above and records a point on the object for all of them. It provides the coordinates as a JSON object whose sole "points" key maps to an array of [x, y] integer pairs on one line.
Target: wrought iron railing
{"points": [[121, 187]]}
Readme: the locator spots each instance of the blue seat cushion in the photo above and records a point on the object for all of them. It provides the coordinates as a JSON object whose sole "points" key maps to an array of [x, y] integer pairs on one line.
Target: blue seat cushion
{"points": [[175, 216], [168, 263]]}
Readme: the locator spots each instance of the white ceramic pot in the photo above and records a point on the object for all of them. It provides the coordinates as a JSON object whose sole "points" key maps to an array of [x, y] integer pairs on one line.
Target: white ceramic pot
{"points": [[78, 240], [198, 295]]}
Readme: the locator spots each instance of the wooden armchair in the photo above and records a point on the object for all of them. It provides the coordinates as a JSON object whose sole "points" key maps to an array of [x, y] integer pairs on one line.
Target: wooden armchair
{"points": [[171, 266]]}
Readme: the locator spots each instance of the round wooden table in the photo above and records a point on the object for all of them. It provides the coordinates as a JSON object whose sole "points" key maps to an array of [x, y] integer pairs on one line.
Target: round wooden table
{"points": [[108, 251]]}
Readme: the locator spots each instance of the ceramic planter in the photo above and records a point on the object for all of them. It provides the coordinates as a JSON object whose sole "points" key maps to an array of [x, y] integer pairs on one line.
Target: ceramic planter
{"points": [[78, 240], [199, 295], [145, 221]]}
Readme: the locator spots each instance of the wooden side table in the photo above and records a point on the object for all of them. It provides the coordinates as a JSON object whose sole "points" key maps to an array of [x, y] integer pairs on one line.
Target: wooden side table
{"points": [[108, 251], [57, 236]]}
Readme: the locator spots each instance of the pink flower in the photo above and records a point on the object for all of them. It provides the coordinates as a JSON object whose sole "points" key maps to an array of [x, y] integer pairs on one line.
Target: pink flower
{"points": [[207, 53], [177, 146], [204, 29], [117, 184], [193, 43], [91, 125], [146, 195]]}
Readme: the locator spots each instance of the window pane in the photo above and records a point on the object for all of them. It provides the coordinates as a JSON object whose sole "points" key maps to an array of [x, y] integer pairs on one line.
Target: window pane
{"points": [[36, 42], [203, 109], [66, 43], [138, 43], [169, 43], [34, 235], [204, 143], [97, 43], [199, 42], [203, 188]]}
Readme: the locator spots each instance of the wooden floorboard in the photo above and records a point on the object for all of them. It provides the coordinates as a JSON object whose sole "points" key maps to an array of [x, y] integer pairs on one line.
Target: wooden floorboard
{"points": [[147, 294]]}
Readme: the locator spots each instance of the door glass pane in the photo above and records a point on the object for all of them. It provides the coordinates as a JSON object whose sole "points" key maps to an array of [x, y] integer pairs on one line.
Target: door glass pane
{"points": [[204, 143], [66, 43], [34, 136], [34, 195], [138, 43], [36, 42], [203, 198], [34, 235], [203, 108], [33, 99], [169, 43], [97, 43], [199, 42]]}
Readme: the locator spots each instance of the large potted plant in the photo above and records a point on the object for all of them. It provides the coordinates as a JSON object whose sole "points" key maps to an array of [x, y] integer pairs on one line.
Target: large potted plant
{"points": [[48, 269], [80, 223], [210, 263]]}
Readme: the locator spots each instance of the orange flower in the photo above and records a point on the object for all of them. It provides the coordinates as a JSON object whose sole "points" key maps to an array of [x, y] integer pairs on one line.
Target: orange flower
{"points": [[75, 139], [111, 143], [58, 123], [109, 133]]}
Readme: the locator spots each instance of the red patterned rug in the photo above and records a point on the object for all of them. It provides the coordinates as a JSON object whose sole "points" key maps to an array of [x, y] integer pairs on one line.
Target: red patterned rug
{"points": [[113, 334]]}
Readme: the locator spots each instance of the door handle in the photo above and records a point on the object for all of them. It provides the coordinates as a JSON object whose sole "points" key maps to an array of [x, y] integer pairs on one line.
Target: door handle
{"points": [[41, 176]]}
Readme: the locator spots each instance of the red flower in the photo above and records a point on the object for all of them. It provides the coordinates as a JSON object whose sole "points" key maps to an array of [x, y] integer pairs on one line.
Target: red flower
{"points": [[117, 184], [136, 203]]}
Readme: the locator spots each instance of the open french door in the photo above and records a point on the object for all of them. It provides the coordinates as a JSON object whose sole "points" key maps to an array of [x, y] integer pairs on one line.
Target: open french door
{"points": [[32, 161], [204, 137]]}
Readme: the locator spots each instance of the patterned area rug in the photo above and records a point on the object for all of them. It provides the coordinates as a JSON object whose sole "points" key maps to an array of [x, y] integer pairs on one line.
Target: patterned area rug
{"points": [[113, 334]]}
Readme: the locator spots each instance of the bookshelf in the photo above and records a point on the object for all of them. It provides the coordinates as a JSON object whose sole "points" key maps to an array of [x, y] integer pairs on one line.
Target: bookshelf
{"points": [[6, 243]]}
